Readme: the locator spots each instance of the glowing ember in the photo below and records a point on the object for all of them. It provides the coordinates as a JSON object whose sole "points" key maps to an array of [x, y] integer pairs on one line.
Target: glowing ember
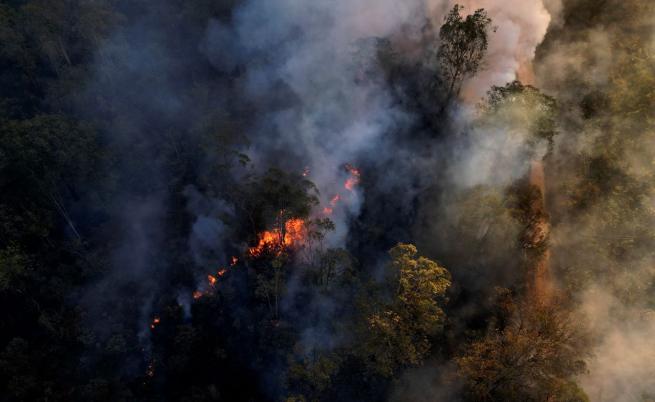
{"points": [[155, 322], [277, 241], [333, 202], [354, 178], [150, 370], [234, 261], [212, 280]]}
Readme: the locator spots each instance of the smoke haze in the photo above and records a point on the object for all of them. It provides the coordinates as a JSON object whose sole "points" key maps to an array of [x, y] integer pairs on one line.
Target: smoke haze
{"points": [[230, 131]]}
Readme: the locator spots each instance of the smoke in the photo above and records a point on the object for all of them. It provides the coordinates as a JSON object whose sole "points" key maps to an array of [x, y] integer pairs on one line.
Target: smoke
{"points": [[304, 54], [622, 369], [321, 101], [209, 232], [433, 383], [317, 104], [305, 64], [520, 27], [602, 248], [493, 153], [138, 97], [306, 74]]}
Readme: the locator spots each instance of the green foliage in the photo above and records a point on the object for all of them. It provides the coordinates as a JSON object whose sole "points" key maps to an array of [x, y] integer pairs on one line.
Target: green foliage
{"points": [[65, 334], [520, 110], [396, 332], [43, 163], [66, 31], [47, 148], [463, 45], [313, 374], [277, 196]]}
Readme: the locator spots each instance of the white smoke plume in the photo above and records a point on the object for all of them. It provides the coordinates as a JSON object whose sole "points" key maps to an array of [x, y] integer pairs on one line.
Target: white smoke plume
{"points": [[581, 62], [493, 156], [520, 27], [622, 369], [307, 49]]}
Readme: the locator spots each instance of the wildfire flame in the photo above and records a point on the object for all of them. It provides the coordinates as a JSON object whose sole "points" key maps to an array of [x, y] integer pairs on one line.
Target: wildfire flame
{"points": [[155, 322], [276, 240], [350, 184], [213, 279], [354, 178], [333, 202]]}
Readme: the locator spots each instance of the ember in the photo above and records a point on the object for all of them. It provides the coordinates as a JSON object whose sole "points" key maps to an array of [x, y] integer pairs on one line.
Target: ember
{"points": [[212, 280]]}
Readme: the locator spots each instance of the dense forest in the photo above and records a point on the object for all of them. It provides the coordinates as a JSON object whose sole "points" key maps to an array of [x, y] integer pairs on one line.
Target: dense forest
{"points": [[344, 200]]}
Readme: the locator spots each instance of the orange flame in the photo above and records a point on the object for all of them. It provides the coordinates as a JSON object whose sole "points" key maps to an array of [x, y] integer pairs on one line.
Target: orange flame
{"points": [[212, 280], [276, 241], [155, 322], [354, 178]]}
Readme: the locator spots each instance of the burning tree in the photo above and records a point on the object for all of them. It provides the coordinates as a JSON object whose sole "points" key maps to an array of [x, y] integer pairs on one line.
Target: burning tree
{"points": [[278, 205]]}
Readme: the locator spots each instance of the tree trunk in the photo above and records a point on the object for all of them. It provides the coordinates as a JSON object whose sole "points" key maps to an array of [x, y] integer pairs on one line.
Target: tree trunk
{"points": [[540, 280]]}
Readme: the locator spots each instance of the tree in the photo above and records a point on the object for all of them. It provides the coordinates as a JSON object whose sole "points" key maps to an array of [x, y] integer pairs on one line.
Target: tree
{"points": [[464, 43], [531, 352], [67, 31], [44, 161], [312, 374], [277, 205], [521, 109], [406, 312]]}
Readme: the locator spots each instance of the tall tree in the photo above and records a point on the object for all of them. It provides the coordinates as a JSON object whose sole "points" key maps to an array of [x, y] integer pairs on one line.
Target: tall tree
{"points": [[463, 45], [531, 352], [405, 314]]}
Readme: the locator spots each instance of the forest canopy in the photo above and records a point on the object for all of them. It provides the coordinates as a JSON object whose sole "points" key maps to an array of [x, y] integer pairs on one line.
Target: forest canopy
{"points": [[339, 200]]}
